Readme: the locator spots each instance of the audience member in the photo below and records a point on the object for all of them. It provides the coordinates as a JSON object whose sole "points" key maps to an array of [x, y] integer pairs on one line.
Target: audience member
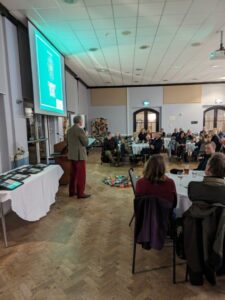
{"points": [[110, 149], [149, 133], [210, 148], [175, 133], [215, 138], [163, 134], [181, 147], [155, 182], [189, 135], [142, 135], [203, 132], [156, 144]]}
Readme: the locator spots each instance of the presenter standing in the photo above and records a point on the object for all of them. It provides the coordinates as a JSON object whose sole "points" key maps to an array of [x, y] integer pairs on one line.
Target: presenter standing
{"points": [[77, 142]]}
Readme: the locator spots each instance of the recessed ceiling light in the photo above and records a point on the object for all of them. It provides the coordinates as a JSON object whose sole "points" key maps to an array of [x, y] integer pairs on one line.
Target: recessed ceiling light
{"points": [[93, 49], [194, 79], [108, 82], [177, 67], [126, 32], [196, 44], [139, 69], [102, 70], [70, 1], [165, 80], [136, 81], [223, 78], [144, 47], [137, 74], [214, 66]]}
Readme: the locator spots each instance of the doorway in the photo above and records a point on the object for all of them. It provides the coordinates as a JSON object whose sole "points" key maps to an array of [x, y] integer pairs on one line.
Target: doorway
{"points": [[147, 119], [214, 117]]}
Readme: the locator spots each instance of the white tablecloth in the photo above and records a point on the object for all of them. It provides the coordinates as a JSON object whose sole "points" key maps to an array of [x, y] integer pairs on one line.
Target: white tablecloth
{"points": [[136, 148], [190, 147], [166, 142], [183, 202], [33, 199]]}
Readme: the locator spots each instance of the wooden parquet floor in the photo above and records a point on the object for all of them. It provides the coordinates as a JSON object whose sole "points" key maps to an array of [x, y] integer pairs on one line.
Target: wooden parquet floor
{"points": [[82, 250]]}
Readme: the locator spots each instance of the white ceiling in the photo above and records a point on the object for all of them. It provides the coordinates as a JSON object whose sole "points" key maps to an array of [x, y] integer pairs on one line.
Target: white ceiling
{"points": [[168, 27]]}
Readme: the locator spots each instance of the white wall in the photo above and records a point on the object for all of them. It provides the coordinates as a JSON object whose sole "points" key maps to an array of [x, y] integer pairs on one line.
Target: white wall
{"points": [[135, 98], [181, 115], [116, 116], [14, 123], [172, 115], [71, 93], [84, 100], [211, 92]]}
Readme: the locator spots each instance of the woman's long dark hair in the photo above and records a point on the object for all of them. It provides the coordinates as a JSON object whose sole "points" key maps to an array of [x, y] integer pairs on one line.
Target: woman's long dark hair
{"points": [[155, 168]]}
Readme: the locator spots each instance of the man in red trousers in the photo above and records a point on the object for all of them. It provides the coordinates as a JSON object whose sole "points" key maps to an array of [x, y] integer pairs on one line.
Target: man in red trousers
{"points": [[77, 142]]}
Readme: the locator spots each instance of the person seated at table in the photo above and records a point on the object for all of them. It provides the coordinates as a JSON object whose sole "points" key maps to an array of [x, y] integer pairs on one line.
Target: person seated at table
{"points": [[175, 133], [142, 136], [155, 182], [221, 134], [215, 138], [110, 149], [155, 147], [149, 133], [120, 142], [215, 173], [163, 134], [210, 148], [156, 144], [189, 136], [181, 147], [203, 132]]}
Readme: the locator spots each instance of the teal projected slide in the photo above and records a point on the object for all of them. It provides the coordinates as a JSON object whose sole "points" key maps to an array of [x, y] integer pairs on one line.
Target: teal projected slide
{"points": [[49, 75]]}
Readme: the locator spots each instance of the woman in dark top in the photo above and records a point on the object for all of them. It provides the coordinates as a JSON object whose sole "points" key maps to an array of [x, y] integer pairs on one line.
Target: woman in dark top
{"points": [[155, 182], [142, 135]]}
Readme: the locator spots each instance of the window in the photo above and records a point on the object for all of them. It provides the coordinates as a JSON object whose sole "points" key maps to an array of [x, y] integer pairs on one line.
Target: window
{"points": [[147, 119], [214, 117]]}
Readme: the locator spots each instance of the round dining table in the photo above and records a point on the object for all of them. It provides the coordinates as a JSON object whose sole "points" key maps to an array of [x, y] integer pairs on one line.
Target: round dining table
{"points": [[181, 183]]}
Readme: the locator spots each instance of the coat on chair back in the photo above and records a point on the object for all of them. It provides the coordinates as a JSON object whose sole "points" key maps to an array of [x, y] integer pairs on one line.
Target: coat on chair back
{"points": [[151, 221]]}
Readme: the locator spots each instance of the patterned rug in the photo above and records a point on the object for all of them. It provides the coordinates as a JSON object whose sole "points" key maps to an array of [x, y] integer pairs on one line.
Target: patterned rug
{"points": [[119, 181]]}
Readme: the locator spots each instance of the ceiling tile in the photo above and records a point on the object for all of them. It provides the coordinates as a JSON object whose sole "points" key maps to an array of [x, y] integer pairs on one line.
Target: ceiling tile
{"points": [[151, 9], [122, 11], [96, 12]]}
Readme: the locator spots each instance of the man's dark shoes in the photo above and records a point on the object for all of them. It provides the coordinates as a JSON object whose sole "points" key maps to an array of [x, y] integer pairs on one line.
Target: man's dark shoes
{"points": [[84, 196]]}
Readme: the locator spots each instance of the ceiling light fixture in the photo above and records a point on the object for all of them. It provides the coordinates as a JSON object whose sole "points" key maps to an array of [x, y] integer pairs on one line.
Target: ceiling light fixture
{"points": [[143, 47], [108, 82], [165, 80], [139, 69], [126, 32], [93, 49], [70, 1], [136, 81], [214, 66], [196, 44], [223, 78], [102, 70], [137, 74]]}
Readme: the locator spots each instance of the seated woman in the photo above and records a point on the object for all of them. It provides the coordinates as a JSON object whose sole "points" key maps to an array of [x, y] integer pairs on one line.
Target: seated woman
{"points": [[110, 149], [142, 136], [155, 182], [181, 146]]}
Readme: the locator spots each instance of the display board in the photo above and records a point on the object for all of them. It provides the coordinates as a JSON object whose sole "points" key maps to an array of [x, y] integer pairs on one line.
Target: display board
{"points": [[48, 75]]}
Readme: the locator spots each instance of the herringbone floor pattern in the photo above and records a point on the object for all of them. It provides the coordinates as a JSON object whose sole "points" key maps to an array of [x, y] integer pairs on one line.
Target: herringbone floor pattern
{"points": [[83, 249]]}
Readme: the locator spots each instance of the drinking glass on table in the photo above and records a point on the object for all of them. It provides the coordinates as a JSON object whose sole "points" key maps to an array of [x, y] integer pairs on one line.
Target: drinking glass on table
{"points": [[186, 170], [180, 176]]}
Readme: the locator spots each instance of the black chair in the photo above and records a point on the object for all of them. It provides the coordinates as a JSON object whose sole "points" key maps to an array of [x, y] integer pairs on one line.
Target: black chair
{"points": [[143, 208], [133, 179]]}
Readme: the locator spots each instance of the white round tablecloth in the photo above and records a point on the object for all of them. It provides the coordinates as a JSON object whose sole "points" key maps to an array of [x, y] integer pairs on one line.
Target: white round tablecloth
{"points": [[136, 148], [183, 202], [166, 142], [190, 147]]}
